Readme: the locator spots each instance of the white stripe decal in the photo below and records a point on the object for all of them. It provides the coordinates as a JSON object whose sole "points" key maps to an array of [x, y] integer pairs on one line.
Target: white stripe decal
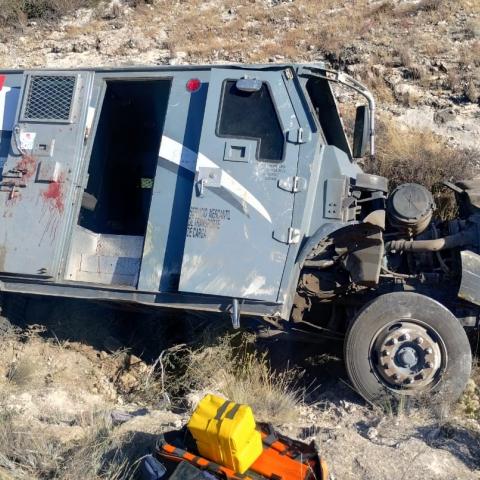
{"points": [[178, 154], [230, 184], [8, 107]]}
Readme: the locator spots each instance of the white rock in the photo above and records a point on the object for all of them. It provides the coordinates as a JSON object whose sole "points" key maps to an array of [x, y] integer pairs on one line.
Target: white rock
{"points": [[372, 433]]}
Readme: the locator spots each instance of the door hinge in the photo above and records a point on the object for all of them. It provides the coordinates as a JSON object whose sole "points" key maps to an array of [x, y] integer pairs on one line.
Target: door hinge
{"points": [[336, 191], [289, 236], [293, 184], [289, 74], [293, 235], [299, 135]]}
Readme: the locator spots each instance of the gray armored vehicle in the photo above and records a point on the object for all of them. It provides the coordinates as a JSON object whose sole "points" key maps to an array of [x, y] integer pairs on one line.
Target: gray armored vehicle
{"points": [[235, 189]]}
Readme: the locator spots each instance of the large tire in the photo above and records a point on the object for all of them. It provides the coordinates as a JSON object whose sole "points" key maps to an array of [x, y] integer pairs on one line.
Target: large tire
{"points": [[406, 344]]}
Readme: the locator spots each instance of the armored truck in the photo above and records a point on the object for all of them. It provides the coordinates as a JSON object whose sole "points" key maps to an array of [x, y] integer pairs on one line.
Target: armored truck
{"points": [[235, 189]]}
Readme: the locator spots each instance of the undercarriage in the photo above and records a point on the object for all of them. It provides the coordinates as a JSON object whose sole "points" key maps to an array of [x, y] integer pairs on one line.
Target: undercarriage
{"points": [[399, 252]]}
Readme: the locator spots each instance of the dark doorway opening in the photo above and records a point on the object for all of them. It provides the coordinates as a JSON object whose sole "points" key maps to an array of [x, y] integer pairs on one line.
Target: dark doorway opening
{"points": [[124, 157]]}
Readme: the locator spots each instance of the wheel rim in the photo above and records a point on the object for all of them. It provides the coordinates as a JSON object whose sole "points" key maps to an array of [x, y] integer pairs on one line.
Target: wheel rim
{"points": [[408, 355]]}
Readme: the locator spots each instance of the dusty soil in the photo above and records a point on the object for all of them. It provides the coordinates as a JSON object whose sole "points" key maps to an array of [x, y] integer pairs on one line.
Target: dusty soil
{"points": [[61, 388]]}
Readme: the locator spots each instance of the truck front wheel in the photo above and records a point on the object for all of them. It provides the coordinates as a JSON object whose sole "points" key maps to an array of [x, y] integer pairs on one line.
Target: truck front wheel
{"points": [[404, 343]]}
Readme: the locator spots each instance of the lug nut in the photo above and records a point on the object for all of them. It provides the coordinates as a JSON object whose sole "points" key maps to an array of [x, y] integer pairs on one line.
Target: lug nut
{"points": [[429, 365], [393, 341], [419, 340], [395, 377], [386, 353], [428, 350], [409, 380], [405, 337], [420, 376]]}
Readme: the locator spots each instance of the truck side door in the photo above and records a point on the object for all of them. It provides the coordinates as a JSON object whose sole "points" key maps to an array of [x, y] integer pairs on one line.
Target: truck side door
{"points": [[240, 223], [37, 184]]}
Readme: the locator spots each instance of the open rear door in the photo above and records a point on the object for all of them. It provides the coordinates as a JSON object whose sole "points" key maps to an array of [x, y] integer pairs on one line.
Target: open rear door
{"points": [[38, 178], [240, 223]]}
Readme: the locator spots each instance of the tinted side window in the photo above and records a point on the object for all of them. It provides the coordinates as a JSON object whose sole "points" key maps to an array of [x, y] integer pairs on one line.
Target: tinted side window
{"points": [[252, 115]]}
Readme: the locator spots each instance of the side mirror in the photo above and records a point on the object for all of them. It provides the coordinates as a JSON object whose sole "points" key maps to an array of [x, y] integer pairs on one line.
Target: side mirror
{"points": [[361, 134]]}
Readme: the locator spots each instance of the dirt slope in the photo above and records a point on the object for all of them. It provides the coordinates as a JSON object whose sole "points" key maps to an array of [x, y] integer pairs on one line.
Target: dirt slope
{"points": [[69, 396]]}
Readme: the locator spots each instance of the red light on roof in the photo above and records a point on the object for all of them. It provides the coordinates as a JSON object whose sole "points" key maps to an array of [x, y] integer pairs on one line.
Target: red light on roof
{"points": [[2, 81], [193, 85]]}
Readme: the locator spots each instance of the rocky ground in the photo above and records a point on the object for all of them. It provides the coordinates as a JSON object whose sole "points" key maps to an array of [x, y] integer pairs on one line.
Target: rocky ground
{"points": [[71, 383], [66, 402]]}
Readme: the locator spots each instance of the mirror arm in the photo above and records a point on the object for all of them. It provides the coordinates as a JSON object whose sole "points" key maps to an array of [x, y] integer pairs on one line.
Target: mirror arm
{"points": [[350, 82]]}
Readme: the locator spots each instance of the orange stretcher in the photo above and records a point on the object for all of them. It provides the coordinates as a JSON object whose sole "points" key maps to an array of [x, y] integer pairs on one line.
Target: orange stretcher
{"points": [[282, 458]]}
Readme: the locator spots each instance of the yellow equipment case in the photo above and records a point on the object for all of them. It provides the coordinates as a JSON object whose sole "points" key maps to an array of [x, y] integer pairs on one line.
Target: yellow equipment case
{"points": [[225, 432]]}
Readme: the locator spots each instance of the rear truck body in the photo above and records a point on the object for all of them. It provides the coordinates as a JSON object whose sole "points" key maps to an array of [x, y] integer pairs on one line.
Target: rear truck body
{"points": [[231, 189]]}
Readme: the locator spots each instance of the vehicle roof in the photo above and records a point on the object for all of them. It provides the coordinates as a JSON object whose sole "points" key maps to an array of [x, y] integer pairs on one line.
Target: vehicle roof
{"points": [[150, 68]]}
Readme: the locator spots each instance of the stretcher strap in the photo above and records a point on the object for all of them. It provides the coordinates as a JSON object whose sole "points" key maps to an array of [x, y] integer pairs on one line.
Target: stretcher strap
{"points": [[271, 438], [176, 454]]}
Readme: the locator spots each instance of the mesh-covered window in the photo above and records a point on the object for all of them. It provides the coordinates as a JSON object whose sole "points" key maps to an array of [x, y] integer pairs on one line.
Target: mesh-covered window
{"points": [[252, 115], [50, 98]]}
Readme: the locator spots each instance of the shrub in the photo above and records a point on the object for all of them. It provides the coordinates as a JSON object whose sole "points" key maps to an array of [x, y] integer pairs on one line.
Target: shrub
{"points": [[234, 369], [470, 401], [412, 155], [16, 12], [27, 453], [21, 372]]}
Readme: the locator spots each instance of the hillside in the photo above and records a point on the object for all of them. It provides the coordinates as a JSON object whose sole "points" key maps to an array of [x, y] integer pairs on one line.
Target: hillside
{"points": [[421, 58]]}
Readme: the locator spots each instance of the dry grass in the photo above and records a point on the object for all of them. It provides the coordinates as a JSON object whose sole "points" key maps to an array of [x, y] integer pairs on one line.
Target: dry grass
{"points": [[234, 369], [29, 447], [410, 155], [27, 453], [17, 12], [469, 404], [22, 372], [473, 28], [307, 30]]}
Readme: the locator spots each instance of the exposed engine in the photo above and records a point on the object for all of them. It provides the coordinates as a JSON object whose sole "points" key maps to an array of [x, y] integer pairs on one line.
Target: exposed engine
{"points": [[400, 246]]}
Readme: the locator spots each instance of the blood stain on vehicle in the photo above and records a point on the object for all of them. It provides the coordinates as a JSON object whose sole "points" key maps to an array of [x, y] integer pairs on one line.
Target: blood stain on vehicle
{"points": [[54, 195]]}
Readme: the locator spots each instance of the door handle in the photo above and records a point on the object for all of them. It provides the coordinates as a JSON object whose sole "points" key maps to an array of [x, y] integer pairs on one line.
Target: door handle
{"points": [[200, 187], [208, 177]]}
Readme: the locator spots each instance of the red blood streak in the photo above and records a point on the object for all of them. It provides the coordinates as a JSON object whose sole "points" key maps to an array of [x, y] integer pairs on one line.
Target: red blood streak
{"points": [[54, 195], [27, 165]]}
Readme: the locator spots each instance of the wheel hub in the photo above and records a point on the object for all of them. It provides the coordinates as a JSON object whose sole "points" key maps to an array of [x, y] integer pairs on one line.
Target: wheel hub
{"points": [[407, 355]]}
